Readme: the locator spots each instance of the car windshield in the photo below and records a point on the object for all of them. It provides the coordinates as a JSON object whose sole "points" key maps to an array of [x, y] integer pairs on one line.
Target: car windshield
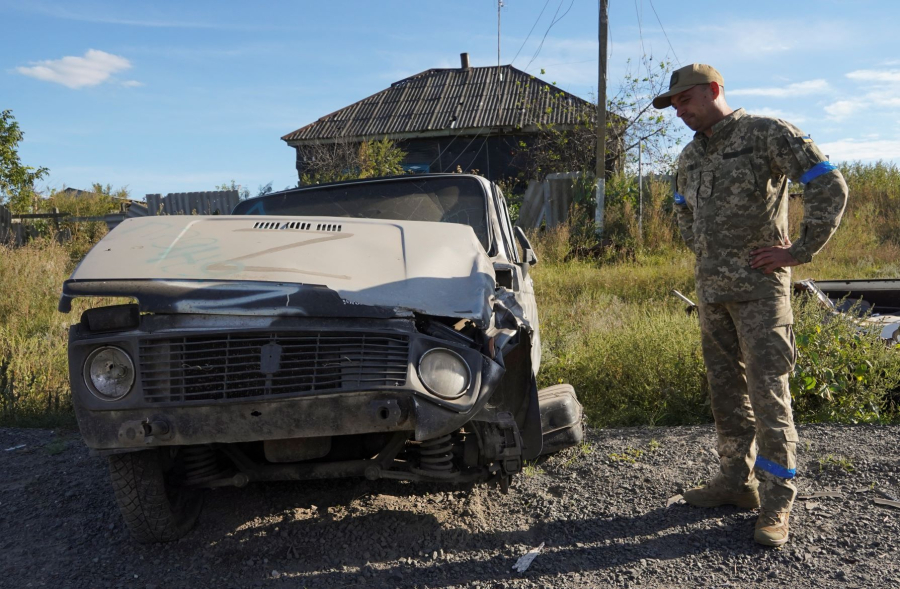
{"points": [[442, 200]]}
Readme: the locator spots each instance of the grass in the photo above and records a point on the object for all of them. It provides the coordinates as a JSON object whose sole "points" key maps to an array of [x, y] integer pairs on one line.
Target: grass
{"points": [[840, 462], [609, 324], [34, 378]]}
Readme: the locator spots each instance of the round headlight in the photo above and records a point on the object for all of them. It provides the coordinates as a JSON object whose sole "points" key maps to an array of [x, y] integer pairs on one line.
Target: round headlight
{"points": [[109, 373], [445, 373]]}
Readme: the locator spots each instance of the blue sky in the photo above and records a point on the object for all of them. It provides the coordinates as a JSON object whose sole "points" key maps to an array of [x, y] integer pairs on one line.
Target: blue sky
{"points": [[180, 96]]}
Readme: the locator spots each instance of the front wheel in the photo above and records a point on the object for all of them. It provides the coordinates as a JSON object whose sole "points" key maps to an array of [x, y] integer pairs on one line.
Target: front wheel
{"points": [[155, 506]]}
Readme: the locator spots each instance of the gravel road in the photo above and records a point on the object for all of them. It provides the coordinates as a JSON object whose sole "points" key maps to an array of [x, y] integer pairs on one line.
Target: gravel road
{"points": [[599, 511]]}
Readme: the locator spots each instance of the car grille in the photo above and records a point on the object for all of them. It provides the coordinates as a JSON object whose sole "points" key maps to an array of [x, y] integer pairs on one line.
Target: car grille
{"points": [[236, 366]]}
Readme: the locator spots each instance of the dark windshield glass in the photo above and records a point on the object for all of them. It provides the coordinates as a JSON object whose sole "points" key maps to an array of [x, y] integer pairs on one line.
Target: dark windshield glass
{"points": [[442, 200]]}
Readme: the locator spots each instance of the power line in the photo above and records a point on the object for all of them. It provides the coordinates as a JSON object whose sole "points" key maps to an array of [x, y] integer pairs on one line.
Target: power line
{"points": [[441, 152], [664, 32], [555, 20], [461, 153], [531, 31], [640, 25]]}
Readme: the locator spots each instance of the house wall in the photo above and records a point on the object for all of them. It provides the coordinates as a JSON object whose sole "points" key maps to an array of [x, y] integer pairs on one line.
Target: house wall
{"points": [[497, 157]]}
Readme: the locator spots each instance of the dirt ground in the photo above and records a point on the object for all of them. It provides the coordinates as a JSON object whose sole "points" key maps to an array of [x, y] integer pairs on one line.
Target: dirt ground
{"points": [[599, 511]]}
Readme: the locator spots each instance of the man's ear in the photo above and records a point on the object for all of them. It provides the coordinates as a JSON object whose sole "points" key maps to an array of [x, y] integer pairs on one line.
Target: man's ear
{"points": [[715, 89]]}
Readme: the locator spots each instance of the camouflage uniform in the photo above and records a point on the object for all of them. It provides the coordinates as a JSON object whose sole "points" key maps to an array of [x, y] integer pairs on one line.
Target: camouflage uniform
{"points": [[732, 198]]}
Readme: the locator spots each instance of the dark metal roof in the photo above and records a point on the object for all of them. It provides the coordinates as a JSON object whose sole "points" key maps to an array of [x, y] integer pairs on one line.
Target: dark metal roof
{"points": [[446, 102]]}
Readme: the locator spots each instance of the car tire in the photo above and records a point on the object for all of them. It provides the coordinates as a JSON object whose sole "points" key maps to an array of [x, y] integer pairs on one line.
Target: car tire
{"points": [[154, 506]]}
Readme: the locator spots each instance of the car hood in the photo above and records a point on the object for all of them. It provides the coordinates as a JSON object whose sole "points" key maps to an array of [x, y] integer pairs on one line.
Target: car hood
{"points": [[233, 264]]}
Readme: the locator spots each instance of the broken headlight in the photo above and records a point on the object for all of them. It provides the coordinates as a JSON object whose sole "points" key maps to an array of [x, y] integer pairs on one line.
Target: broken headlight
{"points": [[109, 373], [444, 373]]}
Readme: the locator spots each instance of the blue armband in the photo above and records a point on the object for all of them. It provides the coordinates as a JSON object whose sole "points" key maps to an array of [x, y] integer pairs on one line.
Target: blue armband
{"points": [[816, 171], [775, 468], [679, 200]]}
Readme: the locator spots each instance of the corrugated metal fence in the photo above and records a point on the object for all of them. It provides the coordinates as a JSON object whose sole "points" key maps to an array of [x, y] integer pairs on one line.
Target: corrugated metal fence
{"points": [[549, 201], [219, 202]]}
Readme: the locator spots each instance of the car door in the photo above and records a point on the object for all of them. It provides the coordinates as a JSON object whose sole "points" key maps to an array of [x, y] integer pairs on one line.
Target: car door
{"points": [[522, 285]]}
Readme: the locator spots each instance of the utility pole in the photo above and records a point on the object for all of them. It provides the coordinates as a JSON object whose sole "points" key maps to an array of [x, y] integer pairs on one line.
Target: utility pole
{"points": [[641, 190], [601, 122]]}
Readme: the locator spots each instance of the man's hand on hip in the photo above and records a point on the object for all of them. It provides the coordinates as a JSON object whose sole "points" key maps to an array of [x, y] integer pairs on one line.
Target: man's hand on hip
{"points": [[769, 259]]}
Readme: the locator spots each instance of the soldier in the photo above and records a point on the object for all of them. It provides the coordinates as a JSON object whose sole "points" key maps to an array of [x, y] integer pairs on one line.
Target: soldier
{"points": [[732, 201]]}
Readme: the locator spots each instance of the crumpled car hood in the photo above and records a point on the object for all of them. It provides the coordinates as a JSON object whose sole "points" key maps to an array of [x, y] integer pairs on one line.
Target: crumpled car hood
{"points": [[433, 268]]}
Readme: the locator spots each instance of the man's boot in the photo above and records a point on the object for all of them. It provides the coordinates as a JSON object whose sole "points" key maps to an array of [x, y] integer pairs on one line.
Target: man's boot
{"points": [[717, 493], [772, 528]]}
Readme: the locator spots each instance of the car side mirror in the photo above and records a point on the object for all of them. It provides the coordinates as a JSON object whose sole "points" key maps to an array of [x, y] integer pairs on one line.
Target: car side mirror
{"points": [[530, 257]]}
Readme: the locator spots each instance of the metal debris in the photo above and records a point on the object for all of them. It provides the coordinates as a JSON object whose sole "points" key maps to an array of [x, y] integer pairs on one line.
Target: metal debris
{"points": [[691, 305], [886, 495], [526, 559], [887, 502], [821, 494], [673, 500], [876, 302]]}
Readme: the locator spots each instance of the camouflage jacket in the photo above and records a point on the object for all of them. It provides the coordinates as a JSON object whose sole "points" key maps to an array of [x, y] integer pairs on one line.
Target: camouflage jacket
{"points": [[731, 197]]}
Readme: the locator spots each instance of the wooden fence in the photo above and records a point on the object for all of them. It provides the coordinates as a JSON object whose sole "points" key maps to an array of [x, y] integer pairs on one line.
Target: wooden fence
{"points": [[15, 230]]}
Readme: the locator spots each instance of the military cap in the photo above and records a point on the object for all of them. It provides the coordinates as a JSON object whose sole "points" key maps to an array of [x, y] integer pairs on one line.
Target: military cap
{"points": [[686, 78]]}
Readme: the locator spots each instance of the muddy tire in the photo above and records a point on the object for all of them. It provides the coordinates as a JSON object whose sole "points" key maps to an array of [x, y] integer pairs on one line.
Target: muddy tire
{"points": [[154, 506]]}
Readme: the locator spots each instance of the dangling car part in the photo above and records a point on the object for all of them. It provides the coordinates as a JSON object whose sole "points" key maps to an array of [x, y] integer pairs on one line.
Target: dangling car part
{"points": [[380, 328]]}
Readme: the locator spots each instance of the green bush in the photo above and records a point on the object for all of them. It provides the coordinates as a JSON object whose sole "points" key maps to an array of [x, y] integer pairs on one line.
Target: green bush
{"points": [[844, 371]]}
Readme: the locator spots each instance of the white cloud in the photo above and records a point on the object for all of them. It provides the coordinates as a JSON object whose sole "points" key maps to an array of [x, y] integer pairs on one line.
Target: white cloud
{"points": [[889, 98], [854, 149], [890, 76], [132, 83], [797, 89], [94, 68], [779, 114], [842, 109]]}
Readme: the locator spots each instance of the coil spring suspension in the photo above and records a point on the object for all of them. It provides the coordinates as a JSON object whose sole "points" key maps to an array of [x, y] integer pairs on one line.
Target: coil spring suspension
{"points": [[436, 455], [200, 465]]}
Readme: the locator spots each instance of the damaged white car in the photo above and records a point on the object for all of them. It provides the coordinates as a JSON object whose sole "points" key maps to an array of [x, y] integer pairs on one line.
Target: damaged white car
{"points": [[378, 328]]}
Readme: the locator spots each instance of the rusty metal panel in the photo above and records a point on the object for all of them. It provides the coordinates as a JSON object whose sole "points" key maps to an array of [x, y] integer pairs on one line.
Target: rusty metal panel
{"points": [[532, 212], [219, 202], [549, 201], [559, 194]]}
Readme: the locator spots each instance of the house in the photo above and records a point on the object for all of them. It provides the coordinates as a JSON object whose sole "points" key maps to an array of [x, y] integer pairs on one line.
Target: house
{"points": [[464, 118]]}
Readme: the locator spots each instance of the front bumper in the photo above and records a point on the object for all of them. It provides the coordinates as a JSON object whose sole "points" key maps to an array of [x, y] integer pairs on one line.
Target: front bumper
{"points": [[141, 419]]}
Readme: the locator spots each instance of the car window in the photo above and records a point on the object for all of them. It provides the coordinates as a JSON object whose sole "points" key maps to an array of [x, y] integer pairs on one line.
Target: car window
{"points": [[444, 200]]}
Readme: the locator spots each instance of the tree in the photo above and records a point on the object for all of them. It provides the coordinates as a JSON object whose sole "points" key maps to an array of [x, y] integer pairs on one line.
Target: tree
{"points": [[264, 189], [632, 120], [346, 160], [16, 180], [243, 193], [655, 129]]}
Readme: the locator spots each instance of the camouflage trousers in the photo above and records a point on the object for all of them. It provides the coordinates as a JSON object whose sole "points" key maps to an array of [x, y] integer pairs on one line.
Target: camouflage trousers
{"points": [[749, 351]]}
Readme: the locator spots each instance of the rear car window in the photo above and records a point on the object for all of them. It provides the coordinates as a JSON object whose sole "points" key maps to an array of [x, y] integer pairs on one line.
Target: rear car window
{"points": [[443, 200]]}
